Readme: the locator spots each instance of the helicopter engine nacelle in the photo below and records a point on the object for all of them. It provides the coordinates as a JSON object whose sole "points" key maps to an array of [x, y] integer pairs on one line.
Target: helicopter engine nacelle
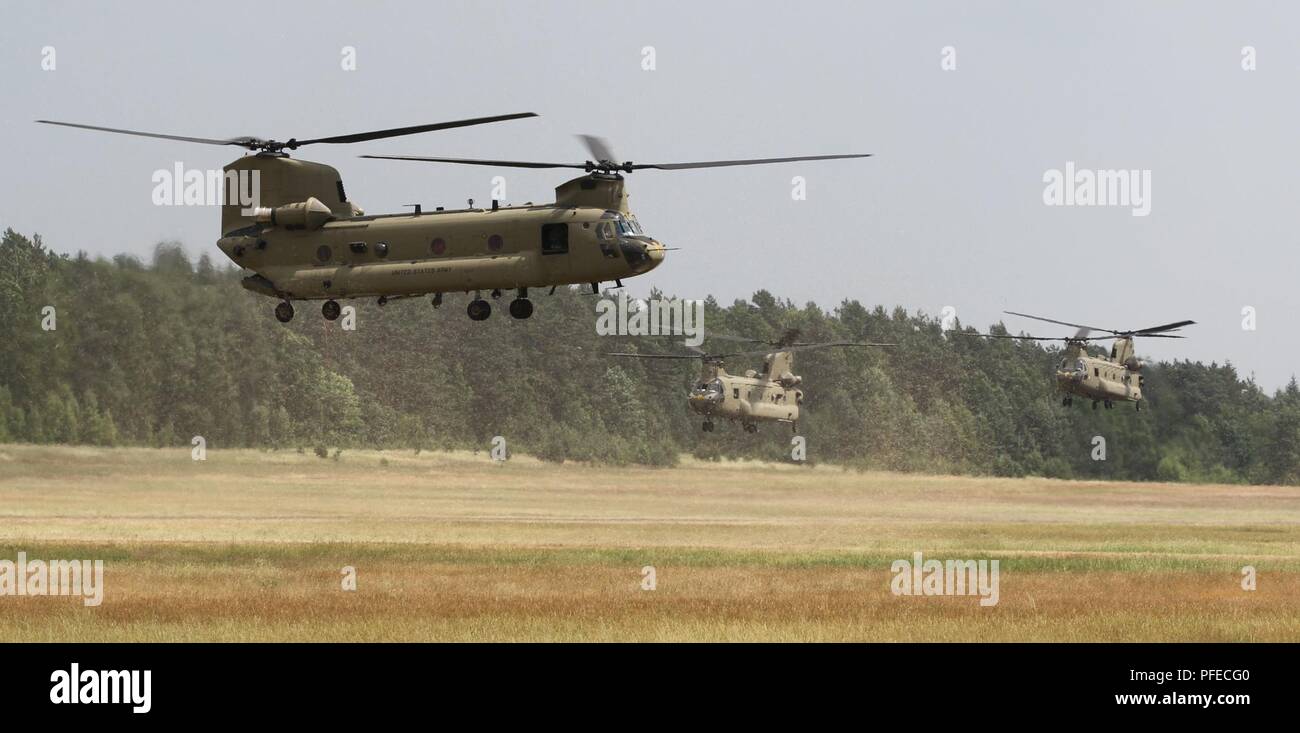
{"points": [[1134, 364], [310, 214], [789, 380]]}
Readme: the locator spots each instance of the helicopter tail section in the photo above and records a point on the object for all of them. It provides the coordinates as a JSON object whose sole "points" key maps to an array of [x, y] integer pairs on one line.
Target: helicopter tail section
{"points": [[269, 181]]}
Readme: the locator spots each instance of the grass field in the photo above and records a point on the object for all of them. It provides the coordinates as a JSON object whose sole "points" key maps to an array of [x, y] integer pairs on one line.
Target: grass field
{"points": [[250, 545]]}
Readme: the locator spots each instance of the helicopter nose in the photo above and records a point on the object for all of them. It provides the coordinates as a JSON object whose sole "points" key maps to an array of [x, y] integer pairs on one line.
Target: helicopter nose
{"points": [[656, 251]]}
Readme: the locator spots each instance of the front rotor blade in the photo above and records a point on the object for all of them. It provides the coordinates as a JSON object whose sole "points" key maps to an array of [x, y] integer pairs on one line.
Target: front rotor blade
{"points": [[245, 142], [414, 129], [752, 161], [476, 161]]}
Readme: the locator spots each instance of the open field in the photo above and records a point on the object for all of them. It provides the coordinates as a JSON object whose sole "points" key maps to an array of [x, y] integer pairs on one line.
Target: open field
{"points": [[249, 545]]}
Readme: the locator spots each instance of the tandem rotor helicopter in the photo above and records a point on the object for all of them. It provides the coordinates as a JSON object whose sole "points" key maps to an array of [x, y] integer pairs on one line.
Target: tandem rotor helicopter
{"points": [[1104, 380], [307, 241], [770, 395]]}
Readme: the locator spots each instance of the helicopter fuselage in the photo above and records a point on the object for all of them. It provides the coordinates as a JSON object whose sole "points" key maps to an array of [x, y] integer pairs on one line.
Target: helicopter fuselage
{"points": [[397, 255], [304, 240], [749, 399], [1099, 379]]}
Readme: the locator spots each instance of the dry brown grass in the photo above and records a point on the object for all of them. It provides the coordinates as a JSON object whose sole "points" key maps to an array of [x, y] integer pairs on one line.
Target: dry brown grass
{"points": [[249, 545]]}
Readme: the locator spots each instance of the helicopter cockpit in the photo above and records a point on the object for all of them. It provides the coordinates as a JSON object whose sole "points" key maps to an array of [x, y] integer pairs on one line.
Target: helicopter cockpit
{"points": [[707, 395]]}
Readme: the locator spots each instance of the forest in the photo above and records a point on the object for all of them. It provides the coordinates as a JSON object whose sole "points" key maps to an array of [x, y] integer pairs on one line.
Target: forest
{"points": [[126, 352]]}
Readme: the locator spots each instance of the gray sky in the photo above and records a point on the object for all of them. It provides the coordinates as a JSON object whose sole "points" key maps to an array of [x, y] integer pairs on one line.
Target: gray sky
{"points": [[950, 212]]}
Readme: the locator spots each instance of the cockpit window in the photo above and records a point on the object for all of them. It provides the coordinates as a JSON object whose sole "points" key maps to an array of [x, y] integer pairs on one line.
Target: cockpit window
{"points": [[628, 226]]}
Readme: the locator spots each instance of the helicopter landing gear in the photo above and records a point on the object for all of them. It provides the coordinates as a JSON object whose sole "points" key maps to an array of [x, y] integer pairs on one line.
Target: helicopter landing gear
{"points": [[284, 312], [496, 293], [521, 307], [1067, 401], [437, 300], [1109, 404], [383, 301], [707, 426], [1137, 405], [1094, 404], [751, 427], [479, 309], [331, 310]]}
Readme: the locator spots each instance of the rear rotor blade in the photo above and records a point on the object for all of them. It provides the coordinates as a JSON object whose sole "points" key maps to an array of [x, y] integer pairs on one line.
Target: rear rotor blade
{"points": [[475, 161], [246, 142], [414, 129], [1061, 323], [1167, 327], [751, 161]]}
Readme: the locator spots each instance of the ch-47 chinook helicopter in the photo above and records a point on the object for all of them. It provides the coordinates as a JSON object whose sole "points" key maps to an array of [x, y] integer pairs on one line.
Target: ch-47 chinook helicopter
{"points": [[1104, 380], [772, 395], [306, 241]]}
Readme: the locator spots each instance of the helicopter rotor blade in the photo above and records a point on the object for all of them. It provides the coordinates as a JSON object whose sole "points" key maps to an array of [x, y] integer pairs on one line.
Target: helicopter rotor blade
{"points": [[476, 161], [1061, 323], [750, 161], [257, 143], [1156, 330], [247, 142], [657, 356], [800, 347], [599, 148], [1010, 336], [360, 137]]}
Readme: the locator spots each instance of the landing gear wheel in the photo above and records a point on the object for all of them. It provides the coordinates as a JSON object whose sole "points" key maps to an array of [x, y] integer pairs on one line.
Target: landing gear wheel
{"points": [[707, 427], [284, 312], [437, 300], [331, 310], [479, 309], [1137, 405], [521, 308], [751, 428], [1094, 404]]}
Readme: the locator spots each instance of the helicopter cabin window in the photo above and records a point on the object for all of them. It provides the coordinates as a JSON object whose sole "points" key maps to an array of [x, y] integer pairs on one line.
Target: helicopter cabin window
{"points": [[357, 247], [323, 253], [381, 250], [605, 238], [555, 239], [735, 392], [1096, 371]]}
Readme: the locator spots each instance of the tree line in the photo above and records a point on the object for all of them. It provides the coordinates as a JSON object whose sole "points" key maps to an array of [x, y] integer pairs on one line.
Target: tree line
{"points": [[124, 352]]}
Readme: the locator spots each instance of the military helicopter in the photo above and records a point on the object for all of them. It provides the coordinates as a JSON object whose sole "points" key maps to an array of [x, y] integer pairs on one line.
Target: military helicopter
{"points": [[306, 241], [772, 395], [1103, 380]]}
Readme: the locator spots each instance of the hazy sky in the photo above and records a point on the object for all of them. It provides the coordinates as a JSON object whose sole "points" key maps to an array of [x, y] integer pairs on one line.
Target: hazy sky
{"points": [[950, 212]]}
